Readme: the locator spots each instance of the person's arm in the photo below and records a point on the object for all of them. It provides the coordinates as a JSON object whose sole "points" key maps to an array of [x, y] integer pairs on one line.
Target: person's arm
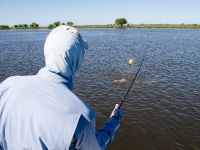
{"points": [[92, 139]]}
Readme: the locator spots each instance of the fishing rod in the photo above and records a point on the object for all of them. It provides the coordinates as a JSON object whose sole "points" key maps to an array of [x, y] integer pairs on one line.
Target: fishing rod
{"points": [[128, 90]]}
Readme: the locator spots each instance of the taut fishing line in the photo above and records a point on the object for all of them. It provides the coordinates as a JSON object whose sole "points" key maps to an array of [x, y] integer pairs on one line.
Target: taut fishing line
{"points": [[128, 90]]}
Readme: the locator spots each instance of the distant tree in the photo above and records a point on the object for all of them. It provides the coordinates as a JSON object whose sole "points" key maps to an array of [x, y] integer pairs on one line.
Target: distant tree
{"points": [[50, 26], [70, 23], [16, 26], [57, 23], [20, 26], [63, 23], [25, 26], [121, 21], [4, 27], [34, 25]]}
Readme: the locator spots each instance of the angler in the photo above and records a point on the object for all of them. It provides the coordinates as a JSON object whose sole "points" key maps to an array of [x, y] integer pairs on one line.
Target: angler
{"points": [[40, 112]]}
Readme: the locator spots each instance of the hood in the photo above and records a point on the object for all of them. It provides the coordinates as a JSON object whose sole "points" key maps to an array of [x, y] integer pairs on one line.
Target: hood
{"points": [[64, 51]]}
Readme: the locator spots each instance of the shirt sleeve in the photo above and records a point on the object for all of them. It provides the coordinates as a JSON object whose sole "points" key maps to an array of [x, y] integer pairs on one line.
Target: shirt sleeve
{"points": [[92, 139]]}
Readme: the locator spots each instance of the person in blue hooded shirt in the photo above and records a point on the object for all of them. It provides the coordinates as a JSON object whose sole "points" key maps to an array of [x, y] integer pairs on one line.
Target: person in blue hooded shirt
{"points": [[40, 112]]}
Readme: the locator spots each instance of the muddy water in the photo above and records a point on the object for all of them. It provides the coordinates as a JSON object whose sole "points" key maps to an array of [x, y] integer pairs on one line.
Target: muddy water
{"points": [[163, 108]]}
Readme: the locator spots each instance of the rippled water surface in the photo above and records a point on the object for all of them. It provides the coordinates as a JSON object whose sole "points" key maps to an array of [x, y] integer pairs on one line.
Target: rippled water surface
{"points": [[162, 111]]}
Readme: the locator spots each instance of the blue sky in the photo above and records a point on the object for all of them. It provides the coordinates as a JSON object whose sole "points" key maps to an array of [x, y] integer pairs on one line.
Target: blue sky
{"points": [[82, 12]]}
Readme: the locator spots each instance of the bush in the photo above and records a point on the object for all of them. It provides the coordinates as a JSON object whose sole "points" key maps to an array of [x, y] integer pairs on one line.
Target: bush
{"points": [[4, 27], [34, 25], [70, 23], [25, 26], [57, 23], [50, 26], [16, 26]]}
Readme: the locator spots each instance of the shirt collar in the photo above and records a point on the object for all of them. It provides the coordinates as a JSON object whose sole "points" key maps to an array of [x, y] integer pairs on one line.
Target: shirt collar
{"points": [[44, 73]]}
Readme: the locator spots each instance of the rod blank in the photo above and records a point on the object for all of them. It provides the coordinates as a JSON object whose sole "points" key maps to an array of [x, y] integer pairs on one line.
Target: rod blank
{"points": [[128, 90]]}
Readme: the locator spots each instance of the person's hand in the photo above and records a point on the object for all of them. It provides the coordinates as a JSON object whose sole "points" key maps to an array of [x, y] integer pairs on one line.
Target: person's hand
{"points": [[117, 112]]}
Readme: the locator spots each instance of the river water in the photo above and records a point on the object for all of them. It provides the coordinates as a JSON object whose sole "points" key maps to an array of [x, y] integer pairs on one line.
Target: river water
{"points": [[162, 111]]}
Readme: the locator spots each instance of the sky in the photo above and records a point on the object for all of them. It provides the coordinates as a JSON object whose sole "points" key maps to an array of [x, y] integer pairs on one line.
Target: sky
{"points": [[93, 12]]}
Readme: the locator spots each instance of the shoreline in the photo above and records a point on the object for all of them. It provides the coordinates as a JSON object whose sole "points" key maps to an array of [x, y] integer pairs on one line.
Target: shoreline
{"points": [[167, 26], [196, 26]]}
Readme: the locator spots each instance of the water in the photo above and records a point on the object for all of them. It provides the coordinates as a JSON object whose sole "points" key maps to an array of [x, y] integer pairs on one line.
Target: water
{"points": [[162, 110]]}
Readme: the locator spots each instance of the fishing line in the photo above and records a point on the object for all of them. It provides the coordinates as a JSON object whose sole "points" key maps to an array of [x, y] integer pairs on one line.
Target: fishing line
{"points": [[128, 90]]}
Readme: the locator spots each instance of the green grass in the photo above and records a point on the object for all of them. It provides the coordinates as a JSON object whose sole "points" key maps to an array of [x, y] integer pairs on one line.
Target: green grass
{"points": [[143, 26], [125, 26], [164, 25]]}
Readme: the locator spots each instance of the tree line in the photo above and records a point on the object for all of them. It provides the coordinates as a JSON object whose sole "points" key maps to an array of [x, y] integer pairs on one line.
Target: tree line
{"points": [[20, 26], [33, 25], [4, 27], [119, 23], [57, 23]]}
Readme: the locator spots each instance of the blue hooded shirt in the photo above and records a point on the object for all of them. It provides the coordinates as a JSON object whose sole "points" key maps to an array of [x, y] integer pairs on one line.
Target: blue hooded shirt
{"points": [[41, 112]]}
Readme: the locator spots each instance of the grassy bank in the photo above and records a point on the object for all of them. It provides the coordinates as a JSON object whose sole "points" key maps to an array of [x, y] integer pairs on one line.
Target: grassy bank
{"points": [[143, 26], [5, 27], [164, 25]]}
